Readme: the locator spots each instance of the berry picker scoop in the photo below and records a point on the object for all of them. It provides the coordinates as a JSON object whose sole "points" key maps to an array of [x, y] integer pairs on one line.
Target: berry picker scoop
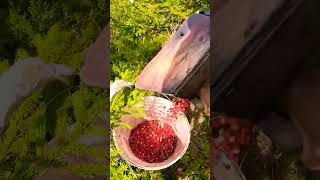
{"points": [[181, 66]]}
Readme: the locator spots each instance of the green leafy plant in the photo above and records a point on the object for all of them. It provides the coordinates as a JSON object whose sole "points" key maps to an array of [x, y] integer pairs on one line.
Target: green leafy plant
{"points": [[56, 32]]}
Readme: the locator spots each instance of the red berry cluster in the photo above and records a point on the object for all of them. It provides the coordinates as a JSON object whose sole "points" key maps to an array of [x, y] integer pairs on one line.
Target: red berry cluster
{"points": [[230, 136], [179, 105], [153, 141]]}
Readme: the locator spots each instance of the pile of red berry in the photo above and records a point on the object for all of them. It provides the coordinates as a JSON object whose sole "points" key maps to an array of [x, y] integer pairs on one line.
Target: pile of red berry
{"points": [[230, 136], [179, 105], [153, 141]]}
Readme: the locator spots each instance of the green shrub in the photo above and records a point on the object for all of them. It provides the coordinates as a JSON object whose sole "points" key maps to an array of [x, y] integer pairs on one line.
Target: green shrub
{"points": [[57, 32]]}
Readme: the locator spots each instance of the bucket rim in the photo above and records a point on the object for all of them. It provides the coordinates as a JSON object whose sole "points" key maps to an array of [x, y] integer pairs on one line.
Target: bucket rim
{"points": [[163, 166]]}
